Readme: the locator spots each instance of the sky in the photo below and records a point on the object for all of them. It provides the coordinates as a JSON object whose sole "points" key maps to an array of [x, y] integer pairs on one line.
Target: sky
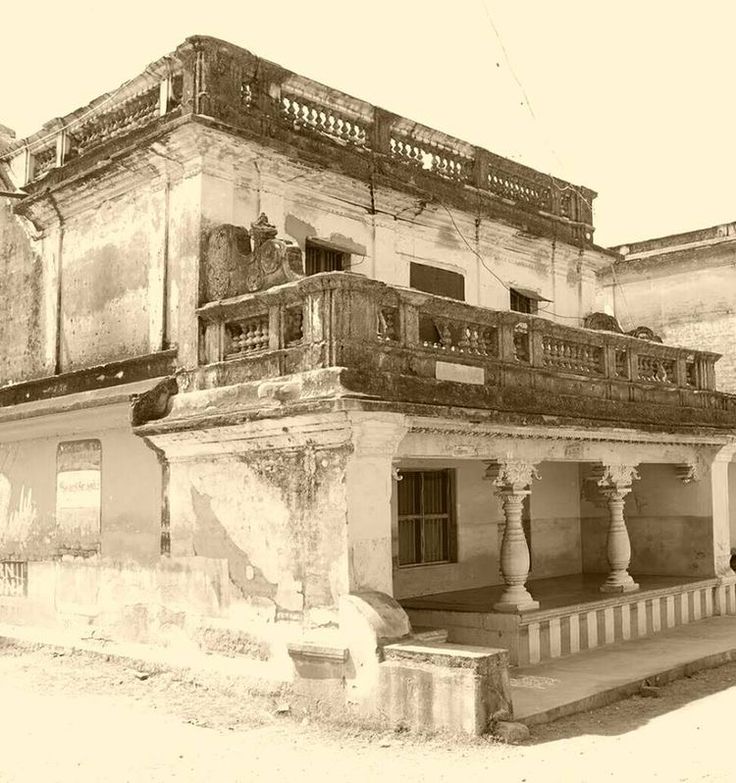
{"points": [[632, 99]]}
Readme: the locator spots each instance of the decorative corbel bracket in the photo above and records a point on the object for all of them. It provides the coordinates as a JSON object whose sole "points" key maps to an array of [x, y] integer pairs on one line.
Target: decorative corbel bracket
{"points": [[688, 472]]}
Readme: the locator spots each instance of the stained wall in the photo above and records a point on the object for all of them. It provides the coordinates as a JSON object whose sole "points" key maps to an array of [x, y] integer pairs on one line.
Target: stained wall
{"points": [[24, 286]]}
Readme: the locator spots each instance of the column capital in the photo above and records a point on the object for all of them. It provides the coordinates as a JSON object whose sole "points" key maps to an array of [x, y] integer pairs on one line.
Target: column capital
{"points": [[616, 477], [510, 475], [377, 435]]}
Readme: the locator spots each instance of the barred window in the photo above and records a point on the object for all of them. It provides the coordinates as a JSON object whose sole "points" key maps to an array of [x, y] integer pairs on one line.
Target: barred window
{"points": [[321, 258], [426, 517]]}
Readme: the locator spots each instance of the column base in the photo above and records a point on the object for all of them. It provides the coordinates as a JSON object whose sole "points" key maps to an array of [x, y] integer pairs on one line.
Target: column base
{"points": [[626, 587], [513, 607]]}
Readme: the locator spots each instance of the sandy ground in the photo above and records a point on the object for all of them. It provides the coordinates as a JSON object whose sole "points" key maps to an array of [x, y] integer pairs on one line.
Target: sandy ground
{"points": [[79, 717]]}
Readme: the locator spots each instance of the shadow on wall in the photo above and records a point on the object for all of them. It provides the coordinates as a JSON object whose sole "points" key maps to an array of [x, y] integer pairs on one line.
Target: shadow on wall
{"points": [[211, 539]]}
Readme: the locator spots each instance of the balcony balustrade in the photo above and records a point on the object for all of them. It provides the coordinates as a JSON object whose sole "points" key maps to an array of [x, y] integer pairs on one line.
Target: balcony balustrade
{"points": [[400, 344]]}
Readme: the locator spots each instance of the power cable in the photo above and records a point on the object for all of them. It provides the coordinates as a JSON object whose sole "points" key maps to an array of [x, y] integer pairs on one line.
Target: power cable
{"points": [[527, 102]]}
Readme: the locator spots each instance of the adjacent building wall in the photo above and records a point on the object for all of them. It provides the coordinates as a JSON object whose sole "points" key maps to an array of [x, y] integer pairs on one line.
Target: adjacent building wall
{"points": [[685, 293]]}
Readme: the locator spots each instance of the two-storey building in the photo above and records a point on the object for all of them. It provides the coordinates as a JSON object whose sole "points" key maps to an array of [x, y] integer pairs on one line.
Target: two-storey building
{"points": [[277, 364]]}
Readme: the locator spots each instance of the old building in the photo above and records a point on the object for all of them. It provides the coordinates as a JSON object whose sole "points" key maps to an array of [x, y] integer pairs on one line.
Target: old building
{"points": [[682, 287], [286, 374]]}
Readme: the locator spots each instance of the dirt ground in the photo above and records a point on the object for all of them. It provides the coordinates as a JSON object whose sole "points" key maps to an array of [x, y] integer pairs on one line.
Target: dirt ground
{"points": [[73, 716]]}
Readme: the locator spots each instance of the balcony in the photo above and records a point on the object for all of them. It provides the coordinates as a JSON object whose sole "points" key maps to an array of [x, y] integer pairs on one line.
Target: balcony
{"points": [[410, 348], [225, 87]]}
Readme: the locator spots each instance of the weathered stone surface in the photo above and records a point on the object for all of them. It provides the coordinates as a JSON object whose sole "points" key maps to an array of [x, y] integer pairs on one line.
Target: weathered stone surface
{"points": [[437, 686], [510, 732]]}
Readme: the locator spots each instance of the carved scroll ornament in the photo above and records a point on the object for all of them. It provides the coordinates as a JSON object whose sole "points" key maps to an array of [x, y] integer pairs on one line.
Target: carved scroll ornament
{"points": [[238, 261]]}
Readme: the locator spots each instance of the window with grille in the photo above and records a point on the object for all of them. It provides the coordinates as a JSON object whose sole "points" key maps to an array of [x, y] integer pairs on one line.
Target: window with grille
{"points": [[426, 517], [520, 303], [319, 258]]}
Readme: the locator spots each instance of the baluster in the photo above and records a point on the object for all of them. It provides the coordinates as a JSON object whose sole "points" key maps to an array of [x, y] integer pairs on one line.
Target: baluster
{"points": [[445, 336], [464, 341], [474, 340]]}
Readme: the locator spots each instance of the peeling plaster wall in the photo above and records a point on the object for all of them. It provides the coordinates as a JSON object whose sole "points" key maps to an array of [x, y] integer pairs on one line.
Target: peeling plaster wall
{"points": [[555, 530], [279, 518], [130, 498], [23, 353]]}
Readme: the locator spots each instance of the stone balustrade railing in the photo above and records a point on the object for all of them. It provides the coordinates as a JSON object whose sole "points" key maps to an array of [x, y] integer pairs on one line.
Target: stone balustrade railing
{"points": [[378, 331], [140, 102], [216, 81]]}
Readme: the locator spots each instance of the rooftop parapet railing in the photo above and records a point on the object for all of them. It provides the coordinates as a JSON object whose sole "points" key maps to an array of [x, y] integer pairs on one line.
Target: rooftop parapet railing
{"points": [[370, 328], [211, 79], [136, 104]]}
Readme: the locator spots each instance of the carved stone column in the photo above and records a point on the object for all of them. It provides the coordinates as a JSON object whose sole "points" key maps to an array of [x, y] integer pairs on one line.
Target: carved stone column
{"points": [[615, 484], [512, 479]]}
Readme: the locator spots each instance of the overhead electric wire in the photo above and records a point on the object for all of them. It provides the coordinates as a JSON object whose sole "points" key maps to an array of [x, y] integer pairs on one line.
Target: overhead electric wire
{"points": [[527, 102]]}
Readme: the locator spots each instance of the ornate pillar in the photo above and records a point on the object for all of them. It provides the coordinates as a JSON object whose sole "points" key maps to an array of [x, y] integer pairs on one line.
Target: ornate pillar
{"points": [[615, 484], [512, 479]]}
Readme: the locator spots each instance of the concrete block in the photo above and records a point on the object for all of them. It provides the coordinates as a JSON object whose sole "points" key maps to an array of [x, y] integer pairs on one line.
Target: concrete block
{"points": [[448, 687]]}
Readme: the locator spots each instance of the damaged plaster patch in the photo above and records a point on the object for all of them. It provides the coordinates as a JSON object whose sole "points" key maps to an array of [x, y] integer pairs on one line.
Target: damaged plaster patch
{"points": [[246, 519], [347, 244], [298, 229], [212, 536]]}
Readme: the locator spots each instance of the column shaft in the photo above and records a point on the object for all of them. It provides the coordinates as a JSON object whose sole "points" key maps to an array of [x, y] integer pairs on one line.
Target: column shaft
{"points": [[514, 556], [618, 546]]}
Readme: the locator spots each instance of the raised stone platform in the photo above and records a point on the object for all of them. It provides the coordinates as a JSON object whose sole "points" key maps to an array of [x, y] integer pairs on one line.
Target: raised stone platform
{"points": [[574, 616], [561, 687]]}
